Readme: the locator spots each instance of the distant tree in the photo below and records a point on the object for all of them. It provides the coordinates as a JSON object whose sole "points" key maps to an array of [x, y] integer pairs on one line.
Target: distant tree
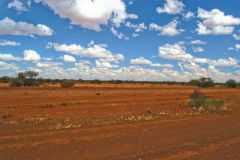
{"points": [[26, 79], [41, 81], [5, 79], [16, 82], [206, 82], [67, 83], [96, 81], [231, 83], [194, 82]]}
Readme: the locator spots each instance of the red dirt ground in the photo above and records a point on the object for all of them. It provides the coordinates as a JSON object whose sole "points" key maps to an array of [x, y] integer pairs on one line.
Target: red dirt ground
{"points": [[116, 122]]}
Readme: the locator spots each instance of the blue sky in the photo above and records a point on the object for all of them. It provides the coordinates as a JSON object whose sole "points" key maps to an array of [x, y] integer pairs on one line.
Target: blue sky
{"points": [[121, 39]]}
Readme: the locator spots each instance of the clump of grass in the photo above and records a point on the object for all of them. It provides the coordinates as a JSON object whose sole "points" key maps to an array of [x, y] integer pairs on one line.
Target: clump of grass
{"points": [[48, 106], [215, 105], [98, 93], [196, 99], [149, 111], [202, 104], [4, 116], [64, 104]]}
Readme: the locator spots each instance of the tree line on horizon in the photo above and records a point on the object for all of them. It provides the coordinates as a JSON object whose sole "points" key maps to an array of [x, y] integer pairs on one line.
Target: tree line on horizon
{"points": [[30, 78]]}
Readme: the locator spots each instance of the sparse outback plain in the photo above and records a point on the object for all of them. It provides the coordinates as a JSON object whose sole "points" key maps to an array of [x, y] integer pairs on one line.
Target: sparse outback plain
{"points": [[116, 121]]}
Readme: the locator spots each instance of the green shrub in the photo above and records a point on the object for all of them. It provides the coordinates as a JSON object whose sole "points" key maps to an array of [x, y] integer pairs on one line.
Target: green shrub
{"points": [[16, 82], [5, 79], [196, 99], [64, 104], [194, 82], [149, 111], [215, 105], [67, 83], [231, 83], [96, 81], [206, 82]]}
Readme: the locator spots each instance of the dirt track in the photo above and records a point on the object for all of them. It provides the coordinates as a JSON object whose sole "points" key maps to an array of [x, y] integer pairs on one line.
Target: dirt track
{"points": [[117, 124]]}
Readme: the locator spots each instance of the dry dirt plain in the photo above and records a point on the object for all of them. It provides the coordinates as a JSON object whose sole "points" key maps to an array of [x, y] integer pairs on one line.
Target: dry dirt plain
{"points": [[116, 122]]}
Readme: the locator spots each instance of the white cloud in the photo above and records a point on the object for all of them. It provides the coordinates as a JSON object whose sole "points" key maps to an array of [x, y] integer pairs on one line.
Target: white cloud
{"points": [[30, 55], [9, 57], [7, 66], [169, 29], [223, 62], [198, 49], [171, 7], [85, 61], [18, 5], [236, 47], [89, 14], [47, 59], [215, 22], [189, 15], [174, 52], [135, 35], [132, 16], [67, 58], [140, 60], [9, 43], [48, 64], [198, 42], [115, 32], [100, 64], [237, 37], [177, 52], [138, 27], [161, 65], [10, 27], [94, 51]]}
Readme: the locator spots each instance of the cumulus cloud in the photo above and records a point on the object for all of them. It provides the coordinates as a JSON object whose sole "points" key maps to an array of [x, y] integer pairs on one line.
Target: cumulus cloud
{"points": [[9, 43], [189, 15], [169, 29], [161, 65], [140, 60], [198, 49], [237, 37], [100, 64], [132, 16], [143, 61], [236, 47], [7, 66], [199, 42], [138, 27], [9, 57], [30, 55], [94, 51], [171, 7], [48, 64], [174, 52], [67, 58], [89, 14], [18, 5], [177, 52], [10, 27], [215, 22], [115, 32]]}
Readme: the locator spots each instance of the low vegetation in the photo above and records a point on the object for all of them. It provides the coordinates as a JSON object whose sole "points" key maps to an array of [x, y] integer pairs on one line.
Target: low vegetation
{"points": [[199, 101], [231, 83], [67, 83], [30, 78]]}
